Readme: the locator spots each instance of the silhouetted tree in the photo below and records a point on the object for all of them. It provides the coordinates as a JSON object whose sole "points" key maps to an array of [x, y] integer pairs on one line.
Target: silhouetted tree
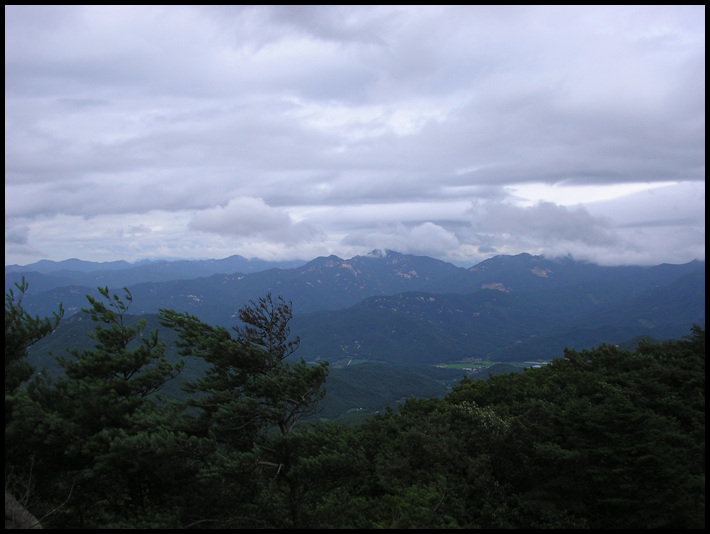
{"points": [[249, 401]]}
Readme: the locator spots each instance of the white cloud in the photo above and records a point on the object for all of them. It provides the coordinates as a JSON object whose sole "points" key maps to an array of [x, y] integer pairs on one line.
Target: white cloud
{"points": [[297, 130], [542, 227], [424, 239], [241, 216]]}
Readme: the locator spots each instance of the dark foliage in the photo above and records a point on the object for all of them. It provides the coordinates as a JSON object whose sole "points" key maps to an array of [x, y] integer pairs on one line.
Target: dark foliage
{"points": [[599, 438]]}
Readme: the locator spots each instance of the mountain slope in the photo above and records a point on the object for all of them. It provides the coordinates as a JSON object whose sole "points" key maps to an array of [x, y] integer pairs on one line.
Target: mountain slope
{"points": [[412, 309], [490, 324], [331, 283], [354, 391], [323, 283], [46, 275]]}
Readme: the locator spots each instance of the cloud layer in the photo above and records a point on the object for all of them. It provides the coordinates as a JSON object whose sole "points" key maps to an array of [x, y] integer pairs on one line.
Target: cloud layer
{"points": [[294, 131]]}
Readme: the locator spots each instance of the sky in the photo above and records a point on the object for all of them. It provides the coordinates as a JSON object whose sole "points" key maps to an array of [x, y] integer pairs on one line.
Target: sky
{"points": [[292, 132]]}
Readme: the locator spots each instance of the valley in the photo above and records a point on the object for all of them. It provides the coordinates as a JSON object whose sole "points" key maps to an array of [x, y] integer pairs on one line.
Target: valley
{"points": [[406, 371], [388, 319]]}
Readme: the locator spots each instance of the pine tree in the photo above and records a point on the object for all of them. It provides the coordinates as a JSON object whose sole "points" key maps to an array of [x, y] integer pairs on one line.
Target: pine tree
{"points": [[101, 437], [249, 401], [21, 332]]}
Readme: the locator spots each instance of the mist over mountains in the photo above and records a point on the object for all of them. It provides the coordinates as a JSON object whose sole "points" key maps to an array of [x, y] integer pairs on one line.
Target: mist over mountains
{"points": [[403, 309]]}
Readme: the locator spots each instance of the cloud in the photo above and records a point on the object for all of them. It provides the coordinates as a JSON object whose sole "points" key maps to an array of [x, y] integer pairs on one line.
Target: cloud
{"points": [[541, 224], [251, 218], [425, 239], [241, 216], [327, 129], [17, 235]]}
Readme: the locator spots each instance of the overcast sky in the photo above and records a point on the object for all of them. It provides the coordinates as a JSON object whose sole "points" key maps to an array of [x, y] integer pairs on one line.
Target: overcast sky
{"points": [[291, 132]]}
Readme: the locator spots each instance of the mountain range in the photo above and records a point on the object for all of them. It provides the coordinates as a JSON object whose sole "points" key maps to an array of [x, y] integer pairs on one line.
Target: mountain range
{"points": [[45, 275], [404, 309]]}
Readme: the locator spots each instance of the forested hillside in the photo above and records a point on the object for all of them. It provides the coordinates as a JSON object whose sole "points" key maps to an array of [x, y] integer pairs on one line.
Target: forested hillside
{"points": [[601, 438], [404, 309]]}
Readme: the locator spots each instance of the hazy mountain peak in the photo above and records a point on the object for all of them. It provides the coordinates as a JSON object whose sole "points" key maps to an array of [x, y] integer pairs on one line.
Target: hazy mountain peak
{"points": [[380, 253]]}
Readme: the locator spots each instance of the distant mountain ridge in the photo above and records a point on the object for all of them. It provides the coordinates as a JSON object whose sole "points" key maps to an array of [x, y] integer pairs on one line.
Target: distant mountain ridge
{"points": [[72, 264], [323, 283], [403, 308], [421, 328], [45, 275]]}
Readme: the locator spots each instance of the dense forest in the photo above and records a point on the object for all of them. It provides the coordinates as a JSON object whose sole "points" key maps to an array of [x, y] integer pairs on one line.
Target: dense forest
{"points": [[601, 438]]}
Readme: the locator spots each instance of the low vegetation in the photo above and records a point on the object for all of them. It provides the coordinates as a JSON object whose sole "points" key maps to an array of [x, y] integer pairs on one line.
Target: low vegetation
{"points": [[600, 438]]}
